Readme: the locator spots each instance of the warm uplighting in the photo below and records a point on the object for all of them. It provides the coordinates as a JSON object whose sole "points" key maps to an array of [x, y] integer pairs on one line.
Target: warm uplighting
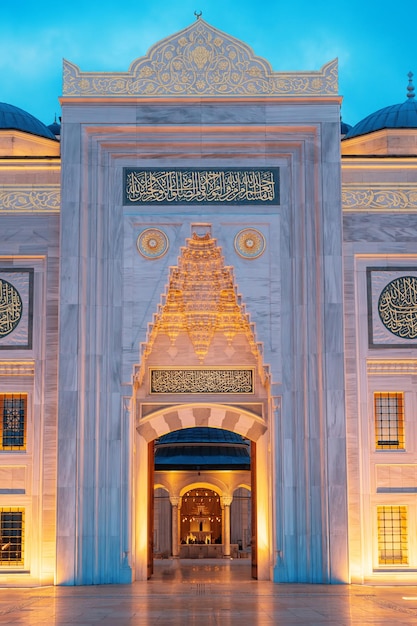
{"points": [[201, 299], [200, 518]]}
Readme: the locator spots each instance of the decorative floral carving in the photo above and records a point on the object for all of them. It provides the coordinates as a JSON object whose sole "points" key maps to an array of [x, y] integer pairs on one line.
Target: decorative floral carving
{"points": [[200, 60], [381, 198], [28, 198]]}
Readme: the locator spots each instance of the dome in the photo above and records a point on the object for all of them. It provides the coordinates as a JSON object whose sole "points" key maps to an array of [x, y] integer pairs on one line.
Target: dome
{"points": [[55, 128], [13, 118], [344, 128], [402, 115]]}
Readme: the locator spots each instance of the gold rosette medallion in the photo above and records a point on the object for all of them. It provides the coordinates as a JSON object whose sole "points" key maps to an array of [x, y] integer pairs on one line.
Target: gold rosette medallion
{"points": [[152, 243], [250, 243]]}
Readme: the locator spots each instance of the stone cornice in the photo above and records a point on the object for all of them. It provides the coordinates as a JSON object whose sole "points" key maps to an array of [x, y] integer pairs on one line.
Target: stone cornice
{"points": [[390, 367], [200, 61], [17, 368]]}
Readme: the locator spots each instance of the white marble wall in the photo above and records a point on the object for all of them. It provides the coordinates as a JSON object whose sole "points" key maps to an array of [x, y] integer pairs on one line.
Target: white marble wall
{"points": [[377, 239], [30, 241], [293, 293]]}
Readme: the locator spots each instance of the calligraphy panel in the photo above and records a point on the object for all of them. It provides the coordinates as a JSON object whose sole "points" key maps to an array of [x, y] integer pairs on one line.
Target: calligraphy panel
{"points": [[201, 186], [16, 290], [197, 380], [392, 306]]}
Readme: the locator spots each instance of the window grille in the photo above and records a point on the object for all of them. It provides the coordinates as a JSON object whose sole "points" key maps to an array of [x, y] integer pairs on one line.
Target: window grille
{"points": [[13, 409], [11, 536], [389, 420], [392, 535]]}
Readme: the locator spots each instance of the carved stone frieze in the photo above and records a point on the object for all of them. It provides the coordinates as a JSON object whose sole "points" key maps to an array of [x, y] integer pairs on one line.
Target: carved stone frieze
{"points": [[381, 198], [200, 61], [30, 198]]}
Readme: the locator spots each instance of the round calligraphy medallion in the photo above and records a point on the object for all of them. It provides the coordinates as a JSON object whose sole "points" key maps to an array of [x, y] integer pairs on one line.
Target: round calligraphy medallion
{"points": [[11, 308], [397, 307], [152, 243], [250, 243]]}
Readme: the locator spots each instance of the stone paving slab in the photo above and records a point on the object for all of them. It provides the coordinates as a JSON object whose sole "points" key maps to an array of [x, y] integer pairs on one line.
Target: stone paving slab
{"points": [[214, 593]]}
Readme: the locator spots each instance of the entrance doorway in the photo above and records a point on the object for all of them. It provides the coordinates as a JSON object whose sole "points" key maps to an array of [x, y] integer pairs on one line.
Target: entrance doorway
{"points": [[233, 488], [202, 482]]}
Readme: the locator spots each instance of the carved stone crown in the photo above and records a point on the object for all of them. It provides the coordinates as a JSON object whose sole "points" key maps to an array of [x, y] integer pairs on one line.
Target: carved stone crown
{"points": [[200, 61], [201, 299]]}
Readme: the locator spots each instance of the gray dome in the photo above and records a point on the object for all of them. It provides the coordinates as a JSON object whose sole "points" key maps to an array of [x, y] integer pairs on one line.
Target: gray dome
{"points": [[344, 128], [13, 118], [55, 128], [402, 115]]}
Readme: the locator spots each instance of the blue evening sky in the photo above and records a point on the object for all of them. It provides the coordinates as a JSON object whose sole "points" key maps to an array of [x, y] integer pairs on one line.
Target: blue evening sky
{"points": [[375, 42]]}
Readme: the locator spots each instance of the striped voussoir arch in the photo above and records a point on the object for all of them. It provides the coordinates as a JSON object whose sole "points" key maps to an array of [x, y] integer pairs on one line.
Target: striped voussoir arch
{"points": [[167, 420]]}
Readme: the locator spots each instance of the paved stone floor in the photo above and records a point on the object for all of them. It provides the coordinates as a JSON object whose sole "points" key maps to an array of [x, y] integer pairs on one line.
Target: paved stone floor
{"points": [[208, 593]]}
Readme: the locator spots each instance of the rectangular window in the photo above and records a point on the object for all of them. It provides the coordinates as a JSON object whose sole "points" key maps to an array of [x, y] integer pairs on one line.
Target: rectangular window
{"points": [[389, 420], [392, 535], [11, 536], [13, 410]]}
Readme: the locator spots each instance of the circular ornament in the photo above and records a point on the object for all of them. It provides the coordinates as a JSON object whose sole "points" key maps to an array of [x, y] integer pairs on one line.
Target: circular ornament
{"points": [[250, 243], [152, 243], [397, 307], [11, 308]]}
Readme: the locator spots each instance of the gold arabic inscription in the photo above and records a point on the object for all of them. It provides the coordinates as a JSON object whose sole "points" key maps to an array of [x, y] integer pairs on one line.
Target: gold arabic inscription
{"points": [[397, 307], [10, 308], [202, 381], [200, 186]]}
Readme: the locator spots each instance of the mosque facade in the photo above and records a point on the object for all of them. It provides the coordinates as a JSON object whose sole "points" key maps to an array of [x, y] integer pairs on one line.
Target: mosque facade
{"points": [[208, 324]]}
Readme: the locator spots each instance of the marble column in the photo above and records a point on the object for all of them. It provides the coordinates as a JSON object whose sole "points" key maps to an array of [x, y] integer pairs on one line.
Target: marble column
{"points": [[225, 502], [175, 506]]}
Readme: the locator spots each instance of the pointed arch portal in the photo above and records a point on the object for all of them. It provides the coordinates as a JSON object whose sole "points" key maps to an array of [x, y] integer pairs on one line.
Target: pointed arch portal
{"points": [[148, 260], [191, 415]]}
